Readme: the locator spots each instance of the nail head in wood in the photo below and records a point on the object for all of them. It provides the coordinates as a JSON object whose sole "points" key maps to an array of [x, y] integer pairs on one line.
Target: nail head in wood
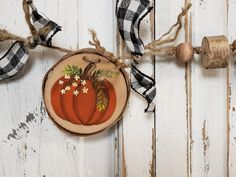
{"points": [[216, 52], [184, 52]]}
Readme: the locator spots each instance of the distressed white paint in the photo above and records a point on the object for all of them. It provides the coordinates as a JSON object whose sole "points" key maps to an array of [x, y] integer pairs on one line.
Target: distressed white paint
{"points": [[232, 93], [209, 118], [191, 102], [47, 150], [137, 127], [171, 115]]}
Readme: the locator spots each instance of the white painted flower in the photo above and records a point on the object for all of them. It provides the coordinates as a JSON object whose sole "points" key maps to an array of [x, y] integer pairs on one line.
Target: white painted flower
{"points": [[85, 90], [67, 76], [63, 91], [76, 92], [77, 77], [74, 84], [83, 82], [67, 88], [61, 82]]}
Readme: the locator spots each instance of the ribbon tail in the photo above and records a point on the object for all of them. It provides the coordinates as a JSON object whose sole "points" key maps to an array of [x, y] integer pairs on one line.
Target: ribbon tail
{"points": [[150, 97], [14, 60], [144, 86], [45, 27], [129, 15]]}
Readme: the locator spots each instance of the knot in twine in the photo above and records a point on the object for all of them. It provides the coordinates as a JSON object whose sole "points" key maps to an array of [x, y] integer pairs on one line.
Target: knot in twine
{"points": [[118, 61], [37, 37], [42, 30], [151, 49], [31, 41]]}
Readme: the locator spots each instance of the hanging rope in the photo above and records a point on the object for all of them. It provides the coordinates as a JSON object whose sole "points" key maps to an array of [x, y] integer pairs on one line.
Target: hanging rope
{"points": [[153, 48]]}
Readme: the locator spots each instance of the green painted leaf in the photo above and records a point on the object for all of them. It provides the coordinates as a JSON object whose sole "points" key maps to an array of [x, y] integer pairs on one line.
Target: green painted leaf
{"points": [[72, 70]]}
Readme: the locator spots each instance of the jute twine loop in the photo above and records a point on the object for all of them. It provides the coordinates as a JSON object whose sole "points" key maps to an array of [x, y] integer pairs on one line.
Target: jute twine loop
{"points": [[118, 61]]}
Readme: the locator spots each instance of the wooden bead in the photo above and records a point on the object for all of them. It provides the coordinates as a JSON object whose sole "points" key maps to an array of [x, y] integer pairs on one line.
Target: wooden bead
{"points": [[184, 52]]}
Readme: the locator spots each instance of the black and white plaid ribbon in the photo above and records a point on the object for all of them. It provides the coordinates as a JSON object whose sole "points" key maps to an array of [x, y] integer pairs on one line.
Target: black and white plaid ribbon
{"points": [[145, 86], [129, 15], [17, 56], [40, 23], [14, 60]]}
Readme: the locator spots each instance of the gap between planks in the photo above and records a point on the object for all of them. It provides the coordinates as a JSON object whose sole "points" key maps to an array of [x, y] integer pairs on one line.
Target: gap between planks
{"points": [[120, 144], [188, 80], [228, 101]]}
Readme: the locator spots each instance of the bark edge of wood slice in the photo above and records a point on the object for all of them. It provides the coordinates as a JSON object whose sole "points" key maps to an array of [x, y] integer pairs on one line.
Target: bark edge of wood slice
{"points": [[84, 94]]}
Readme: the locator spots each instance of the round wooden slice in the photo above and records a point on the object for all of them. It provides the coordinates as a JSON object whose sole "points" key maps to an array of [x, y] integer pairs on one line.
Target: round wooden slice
{"points": [[84, 92]]}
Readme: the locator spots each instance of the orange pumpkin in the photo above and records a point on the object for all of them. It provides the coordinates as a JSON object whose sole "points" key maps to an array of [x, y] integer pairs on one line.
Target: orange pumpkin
{"points": [[83, 99]]}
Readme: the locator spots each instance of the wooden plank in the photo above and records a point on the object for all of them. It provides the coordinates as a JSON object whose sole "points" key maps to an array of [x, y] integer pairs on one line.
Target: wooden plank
{"points": [[231, 94], [31, 144], [188, 88], [98, 150], [136, 130], [172, 112], [190, 100], [209, 121]]}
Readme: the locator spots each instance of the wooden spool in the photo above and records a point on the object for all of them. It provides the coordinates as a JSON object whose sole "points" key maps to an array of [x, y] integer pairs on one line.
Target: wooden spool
{"points": [[216, 52]]}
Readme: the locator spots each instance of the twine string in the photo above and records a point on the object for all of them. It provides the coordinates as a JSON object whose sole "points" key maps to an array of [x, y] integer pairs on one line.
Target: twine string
{"points": [[118, 61], [5, 35], [32, 41], [151, 49], [178, 25]]}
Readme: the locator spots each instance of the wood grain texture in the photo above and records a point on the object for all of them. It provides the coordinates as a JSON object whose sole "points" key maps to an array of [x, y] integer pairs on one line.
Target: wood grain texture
{"points": [[231, 156], [209, 120], [192, 134], [31, 144], [188, 88], [136, 130], [171, 114]]}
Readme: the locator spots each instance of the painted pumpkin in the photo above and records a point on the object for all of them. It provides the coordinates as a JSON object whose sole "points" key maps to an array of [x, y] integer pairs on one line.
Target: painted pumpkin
{"points": [[84, 93], [82, 97]]}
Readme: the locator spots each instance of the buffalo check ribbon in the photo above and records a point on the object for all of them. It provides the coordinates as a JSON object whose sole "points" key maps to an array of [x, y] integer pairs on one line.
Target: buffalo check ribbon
{"points": [[145, 86], [129, 14], [40, 23], [14, 60], [17, 55]]}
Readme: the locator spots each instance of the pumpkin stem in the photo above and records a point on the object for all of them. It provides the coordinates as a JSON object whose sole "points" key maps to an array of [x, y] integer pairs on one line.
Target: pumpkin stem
{"points": [[88, 70]]}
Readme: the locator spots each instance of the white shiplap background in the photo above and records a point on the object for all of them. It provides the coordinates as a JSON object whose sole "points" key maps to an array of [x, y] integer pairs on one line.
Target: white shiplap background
{"points": [[192, 134]]}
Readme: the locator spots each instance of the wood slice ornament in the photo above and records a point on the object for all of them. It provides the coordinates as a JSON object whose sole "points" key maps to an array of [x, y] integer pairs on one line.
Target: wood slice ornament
{"points": [[85, 93]]}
